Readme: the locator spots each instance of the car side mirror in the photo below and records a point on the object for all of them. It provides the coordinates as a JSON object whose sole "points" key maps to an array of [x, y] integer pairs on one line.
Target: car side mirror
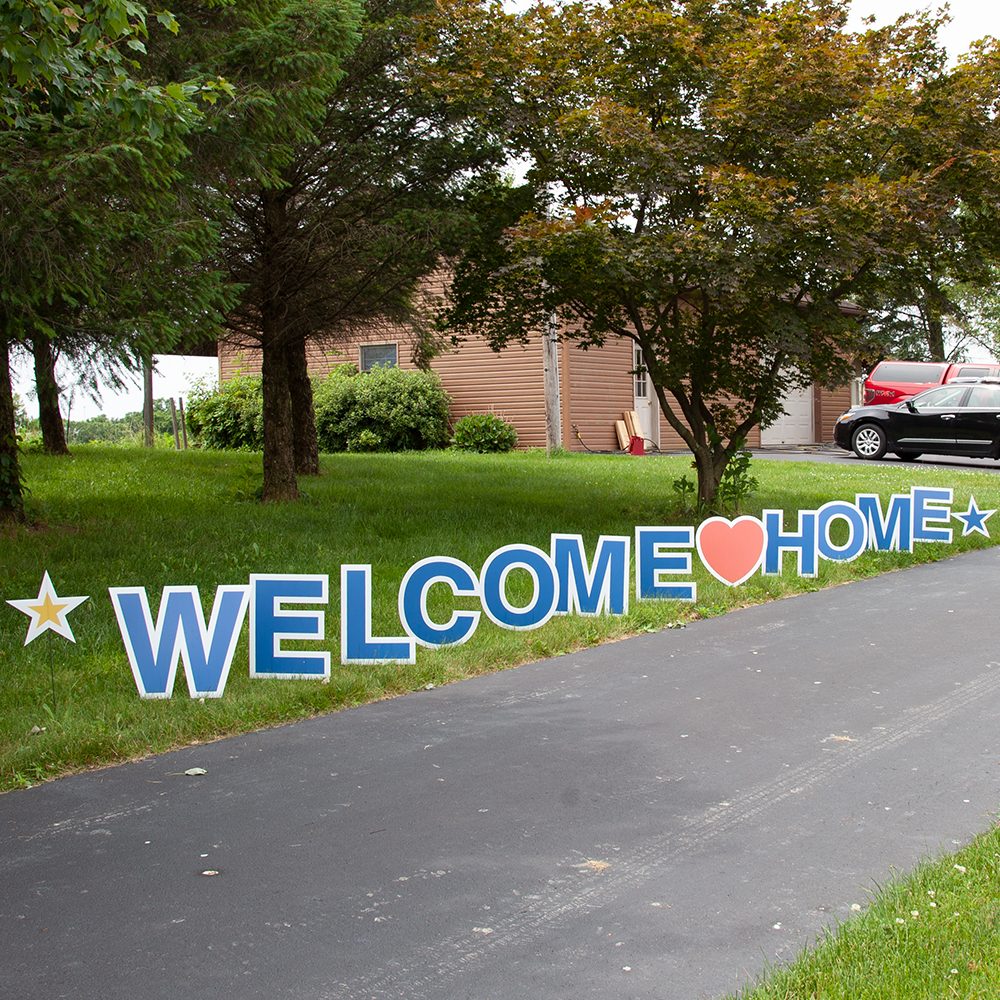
{"points": [[910, 406]]}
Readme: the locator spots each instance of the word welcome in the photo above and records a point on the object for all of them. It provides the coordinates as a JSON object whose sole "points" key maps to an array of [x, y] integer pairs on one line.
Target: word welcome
{"points": [[563, 580]]}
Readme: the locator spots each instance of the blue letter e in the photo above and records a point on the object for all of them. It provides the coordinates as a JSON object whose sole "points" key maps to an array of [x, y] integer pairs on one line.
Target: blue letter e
{"points": [[270, 623]]}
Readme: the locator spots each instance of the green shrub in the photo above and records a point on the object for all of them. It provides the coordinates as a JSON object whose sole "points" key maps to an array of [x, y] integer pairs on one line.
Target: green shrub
{"points": [[230, 416], [737, 485], [484, 432], [385, 409], [365, 441]]}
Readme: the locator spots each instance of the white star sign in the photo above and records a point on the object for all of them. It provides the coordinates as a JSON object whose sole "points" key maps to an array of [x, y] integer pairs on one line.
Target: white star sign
{"points": [[48, 611], [974, 520]]}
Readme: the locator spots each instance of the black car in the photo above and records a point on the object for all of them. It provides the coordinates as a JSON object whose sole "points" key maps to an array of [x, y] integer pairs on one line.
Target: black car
{"points": [[960, 418]]}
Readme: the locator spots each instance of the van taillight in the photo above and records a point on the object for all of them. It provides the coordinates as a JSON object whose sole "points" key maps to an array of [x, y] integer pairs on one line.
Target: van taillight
{"points": [[869, 395]]}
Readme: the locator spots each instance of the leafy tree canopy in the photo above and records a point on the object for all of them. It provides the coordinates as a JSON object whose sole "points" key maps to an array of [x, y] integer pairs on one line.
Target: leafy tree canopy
{"points": [[96, 239], [341, 177], [64, 59], [715, 179]]}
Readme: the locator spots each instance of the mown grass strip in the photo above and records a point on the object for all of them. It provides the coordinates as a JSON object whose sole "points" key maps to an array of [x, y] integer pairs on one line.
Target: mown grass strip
{"points": [[119, 517], [933, 935]]}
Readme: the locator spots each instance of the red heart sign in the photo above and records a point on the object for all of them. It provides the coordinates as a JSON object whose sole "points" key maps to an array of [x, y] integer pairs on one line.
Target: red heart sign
{"points": [[731, 550]]}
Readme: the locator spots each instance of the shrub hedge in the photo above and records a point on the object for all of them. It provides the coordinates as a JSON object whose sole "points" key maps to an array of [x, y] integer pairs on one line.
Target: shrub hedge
{"points": [[484, 432], [385, 409], [230, 416]]}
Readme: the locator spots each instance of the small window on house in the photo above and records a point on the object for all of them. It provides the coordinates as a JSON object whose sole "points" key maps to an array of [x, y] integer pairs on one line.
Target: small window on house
{"points": [[377, 356], [641, 377]]}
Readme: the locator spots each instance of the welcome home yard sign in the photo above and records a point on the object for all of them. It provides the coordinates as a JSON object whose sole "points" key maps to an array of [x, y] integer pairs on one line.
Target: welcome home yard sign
{"points": [[564, 580]]}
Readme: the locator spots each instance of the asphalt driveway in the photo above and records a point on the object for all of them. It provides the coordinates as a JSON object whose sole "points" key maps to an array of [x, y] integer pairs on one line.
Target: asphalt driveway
{"points": [[831, 453], [655, 818]]}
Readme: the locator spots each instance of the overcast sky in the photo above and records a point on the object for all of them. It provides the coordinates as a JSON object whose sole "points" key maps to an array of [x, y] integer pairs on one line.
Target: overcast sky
{"points": [[971, 19]]}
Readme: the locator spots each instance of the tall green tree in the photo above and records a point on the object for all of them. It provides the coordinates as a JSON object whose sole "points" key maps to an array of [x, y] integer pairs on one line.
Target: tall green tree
{"points": [[957, 264], [716, 178], [88, 159], [47, 389], [979, 313], [288, 58], [340, 195]]}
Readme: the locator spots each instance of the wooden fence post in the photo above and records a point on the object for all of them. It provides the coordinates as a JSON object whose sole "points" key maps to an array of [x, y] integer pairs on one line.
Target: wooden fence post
{"points": [[173, 417]]}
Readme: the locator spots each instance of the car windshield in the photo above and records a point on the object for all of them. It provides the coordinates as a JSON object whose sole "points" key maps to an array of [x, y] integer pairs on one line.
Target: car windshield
{"points": [[914, 372], [943, 397]]}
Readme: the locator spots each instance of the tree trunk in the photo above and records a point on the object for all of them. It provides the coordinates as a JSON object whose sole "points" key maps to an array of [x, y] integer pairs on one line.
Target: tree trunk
{"points": [[11, 489], [303, 413], [279, 433], [709, 460], [49, 418], [279, 437], [709, 475], [553, 402], [935, 336]]}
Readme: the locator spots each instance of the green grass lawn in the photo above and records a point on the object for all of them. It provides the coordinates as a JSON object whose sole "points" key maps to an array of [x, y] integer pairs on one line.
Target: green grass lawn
{"points": [[123, 517], [118, 517], [934, 935]]}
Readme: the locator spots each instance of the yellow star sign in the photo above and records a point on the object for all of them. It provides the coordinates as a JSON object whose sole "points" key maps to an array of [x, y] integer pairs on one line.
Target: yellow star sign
{"points": [[48, 611]]}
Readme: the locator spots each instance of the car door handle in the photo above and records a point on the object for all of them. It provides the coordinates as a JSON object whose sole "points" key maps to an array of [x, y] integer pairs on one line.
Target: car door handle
{"points": [[947, 416]]}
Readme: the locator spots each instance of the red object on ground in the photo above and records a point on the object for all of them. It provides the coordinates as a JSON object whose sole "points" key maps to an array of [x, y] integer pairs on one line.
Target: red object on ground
{"points": [[636, 446]]}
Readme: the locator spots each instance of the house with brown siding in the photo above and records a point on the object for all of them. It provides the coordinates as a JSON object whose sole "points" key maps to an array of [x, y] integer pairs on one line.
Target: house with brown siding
{"points": [[595, 386]]}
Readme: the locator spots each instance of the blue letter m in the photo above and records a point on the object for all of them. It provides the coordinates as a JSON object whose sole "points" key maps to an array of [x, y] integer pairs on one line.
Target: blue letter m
{"points": [[593, 589]]}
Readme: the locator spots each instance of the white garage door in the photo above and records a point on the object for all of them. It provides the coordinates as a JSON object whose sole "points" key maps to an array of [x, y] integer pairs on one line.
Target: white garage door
{"points": [[795, 425]]}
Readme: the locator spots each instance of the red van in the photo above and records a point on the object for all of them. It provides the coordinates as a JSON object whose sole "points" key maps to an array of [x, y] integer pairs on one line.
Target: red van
{"points": [[893, 381]]}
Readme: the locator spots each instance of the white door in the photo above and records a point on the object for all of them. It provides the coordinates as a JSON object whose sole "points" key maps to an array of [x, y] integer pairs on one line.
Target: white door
{"points": [[795, 425], [644, 402]]}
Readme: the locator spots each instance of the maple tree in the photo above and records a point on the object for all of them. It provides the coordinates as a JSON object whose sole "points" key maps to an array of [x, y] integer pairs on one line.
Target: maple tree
{"points": [[714, 180]]}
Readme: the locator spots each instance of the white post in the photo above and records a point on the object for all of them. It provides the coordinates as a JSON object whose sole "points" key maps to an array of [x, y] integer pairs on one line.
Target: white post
{"points": [[553, 402], [147, 402]]}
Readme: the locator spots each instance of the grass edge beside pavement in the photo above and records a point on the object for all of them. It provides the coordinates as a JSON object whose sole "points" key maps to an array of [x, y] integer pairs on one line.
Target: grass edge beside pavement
{"points": [[931, 934], [106, 518]]}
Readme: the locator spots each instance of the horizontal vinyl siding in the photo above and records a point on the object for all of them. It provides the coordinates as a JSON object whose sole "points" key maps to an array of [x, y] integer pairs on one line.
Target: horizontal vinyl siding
{"points": [[321, 356], [510, 384], [597, 388], [670, 440], [478, 380], [235, 359]]}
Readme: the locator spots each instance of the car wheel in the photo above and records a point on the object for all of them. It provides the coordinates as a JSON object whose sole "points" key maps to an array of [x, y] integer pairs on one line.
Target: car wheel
{"points": [[869, 441], [908, 456]]}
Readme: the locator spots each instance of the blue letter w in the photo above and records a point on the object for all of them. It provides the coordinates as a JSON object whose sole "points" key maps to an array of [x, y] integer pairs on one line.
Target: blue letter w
{"points": [[180, 631]]}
